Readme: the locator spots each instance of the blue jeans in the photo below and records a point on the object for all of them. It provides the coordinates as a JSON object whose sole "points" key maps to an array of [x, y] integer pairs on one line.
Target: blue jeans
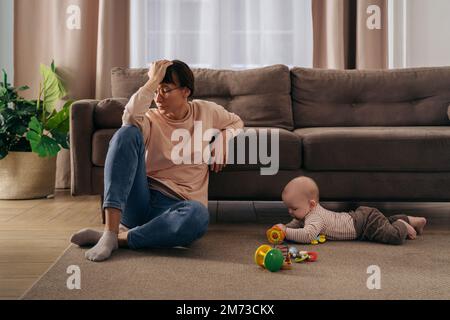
{"points": [[154, 219]]}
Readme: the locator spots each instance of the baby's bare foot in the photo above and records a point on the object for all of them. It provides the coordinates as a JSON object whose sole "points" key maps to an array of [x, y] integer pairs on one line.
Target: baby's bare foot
{"points": [[418, 223], [411, 231]]}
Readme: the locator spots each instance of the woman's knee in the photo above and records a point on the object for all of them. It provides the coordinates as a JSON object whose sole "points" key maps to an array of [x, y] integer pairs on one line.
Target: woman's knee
{"points": [[196, 223], [127, 134], [198, 211]]}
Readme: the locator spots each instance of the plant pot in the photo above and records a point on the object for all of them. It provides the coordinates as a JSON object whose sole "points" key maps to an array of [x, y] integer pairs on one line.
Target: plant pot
{"points": [[25, 175]]}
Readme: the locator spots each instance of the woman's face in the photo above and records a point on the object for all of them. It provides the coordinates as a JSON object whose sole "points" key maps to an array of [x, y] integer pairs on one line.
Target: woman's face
{"points": [[169, 95]]}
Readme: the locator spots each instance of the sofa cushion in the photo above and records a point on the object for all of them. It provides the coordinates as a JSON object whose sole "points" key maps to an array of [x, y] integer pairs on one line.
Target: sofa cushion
{"points": [[376, 148], [396, 97], [108, 113], [261, 97], [289, 149]]}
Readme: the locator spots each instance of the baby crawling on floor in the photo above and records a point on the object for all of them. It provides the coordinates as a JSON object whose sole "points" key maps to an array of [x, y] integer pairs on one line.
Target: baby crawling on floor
{"points": [[301, 197]]}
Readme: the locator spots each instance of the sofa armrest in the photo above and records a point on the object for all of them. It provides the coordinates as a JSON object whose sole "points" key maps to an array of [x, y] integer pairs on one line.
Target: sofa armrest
{"points": [[81, 131]]}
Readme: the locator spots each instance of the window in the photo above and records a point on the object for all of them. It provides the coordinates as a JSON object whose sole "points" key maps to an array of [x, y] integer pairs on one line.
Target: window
{"points": [[227, 34]]}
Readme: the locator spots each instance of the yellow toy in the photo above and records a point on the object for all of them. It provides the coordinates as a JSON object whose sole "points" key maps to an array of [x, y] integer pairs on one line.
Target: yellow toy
{"points": [[275, 235], [319, 239]]}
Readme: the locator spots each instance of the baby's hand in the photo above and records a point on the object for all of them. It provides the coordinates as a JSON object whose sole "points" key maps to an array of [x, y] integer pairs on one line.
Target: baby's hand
{"points": [[281, 226]]}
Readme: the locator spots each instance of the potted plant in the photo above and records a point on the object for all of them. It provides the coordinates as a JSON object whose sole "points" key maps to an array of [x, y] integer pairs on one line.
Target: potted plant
{"points": [[32, 132]]}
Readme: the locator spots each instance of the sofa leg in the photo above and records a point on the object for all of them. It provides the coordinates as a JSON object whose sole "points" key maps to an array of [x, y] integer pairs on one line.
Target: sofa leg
{"points": [[103, 211]]}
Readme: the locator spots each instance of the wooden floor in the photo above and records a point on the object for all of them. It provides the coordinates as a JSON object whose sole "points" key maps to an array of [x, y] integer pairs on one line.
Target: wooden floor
{"points": [[34, 233]]}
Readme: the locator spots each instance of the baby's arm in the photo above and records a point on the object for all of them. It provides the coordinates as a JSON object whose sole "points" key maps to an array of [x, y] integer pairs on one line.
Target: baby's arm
{"points": [[295, 223], [310, 231]]}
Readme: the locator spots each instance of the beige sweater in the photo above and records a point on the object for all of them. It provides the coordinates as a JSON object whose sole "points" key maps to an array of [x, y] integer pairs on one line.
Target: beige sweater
{"points": [[188, 181], [334, 225]]}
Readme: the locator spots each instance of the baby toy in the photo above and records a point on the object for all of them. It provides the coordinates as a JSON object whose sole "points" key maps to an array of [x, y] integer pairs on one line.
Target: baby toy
{"points": [[279, 256], [275, 235], [269, 258], [319, 239], [300, 256]]}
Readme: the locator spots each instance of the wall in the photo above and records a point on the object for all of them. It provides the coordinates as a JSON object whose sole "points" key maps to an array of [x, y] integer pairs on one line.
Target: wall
{"points": [[6, 37]]}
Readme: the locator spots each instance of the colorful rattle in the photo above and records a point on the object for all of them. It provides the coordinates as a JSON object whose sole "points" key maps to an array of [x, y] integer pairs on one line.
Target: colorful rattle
{"points": [[269, 258], [275, 235]]}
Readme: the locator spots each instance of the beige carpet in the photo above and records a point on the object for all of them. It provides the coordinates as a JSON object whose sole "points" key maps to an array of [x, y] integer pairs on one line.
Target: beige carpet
{"points": [[220, 266]]}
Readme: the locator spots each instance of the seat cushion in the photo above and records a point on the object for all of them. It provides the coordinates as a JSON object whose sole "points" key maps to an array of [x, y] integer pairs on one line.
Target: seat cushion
{"points": [[289, 149], [376, 148]]}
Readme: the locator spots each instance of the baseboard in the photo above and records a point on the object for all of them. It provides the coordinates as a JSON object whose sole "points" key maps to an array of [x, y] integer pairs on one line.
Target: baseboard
{"points": [[276, 212]]}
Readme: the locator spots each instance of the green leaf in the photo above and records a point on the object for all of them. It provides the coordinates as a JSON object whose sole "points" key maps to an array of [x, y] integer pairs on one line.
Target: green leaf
{"points": [[35, 125], [3, 148], [22, 88], [61, 138], [33, 137], [20, 130], [5, 78], [3, 153], [44, 146], [60, 120], [52, 88], [48, 147]]}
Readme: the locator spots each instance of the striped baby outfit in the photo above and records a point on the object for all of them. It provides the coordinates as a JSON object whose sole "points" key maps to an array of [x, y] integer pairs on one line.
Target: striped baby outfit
{"points": [[334, 225]]}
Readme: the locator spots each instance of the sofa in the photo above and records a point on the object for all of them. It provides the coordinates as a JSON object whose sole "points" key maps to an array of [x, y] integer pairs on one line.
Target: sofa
{"points": [[363, 135]]}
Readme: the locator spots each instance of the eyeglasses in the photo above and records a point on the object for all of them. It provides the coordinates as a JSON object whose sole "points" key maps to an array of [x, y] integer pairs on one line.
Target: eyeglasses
{"points": [[164, 91]]}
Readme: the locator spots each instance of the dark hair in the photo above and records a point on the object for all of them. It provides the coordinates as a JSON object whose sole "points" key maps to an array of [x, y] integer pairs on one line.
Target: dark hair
{"points": [[180, 71]]}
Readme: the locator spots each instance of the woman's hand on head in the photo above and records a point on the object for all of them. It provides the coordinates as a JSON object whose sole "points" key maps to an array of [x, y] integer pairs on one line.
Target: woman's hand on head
{"points": [[157, 71]]}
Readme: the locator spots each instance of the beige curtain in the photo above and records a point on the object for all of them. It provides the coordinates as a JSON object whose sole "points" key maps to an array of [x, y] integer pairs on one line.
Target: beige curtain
{"points": [[84, 37], [350, 34]]}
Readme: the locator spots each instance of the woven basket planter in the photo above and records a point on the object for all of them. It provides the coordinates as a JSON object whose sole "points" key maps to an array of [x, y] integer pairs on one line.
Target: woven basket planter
{"points": [[25, 175]]}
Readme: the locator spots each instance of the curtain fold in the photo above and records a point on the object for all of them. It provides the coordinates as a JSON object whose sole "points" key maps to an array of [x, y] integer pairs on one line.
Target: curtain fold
{"points": [[346, 34], [86, 38]]}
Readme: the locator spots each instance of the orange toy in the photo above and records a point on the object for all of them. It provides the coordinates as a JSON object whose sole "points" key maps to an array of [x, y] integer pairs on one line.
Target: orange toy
{"points": [[275, 235]]}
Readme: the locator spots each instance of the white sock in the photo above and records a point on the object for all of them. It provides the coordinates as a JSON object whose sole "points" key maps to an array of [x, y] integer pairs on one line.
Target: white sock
{"points": [[103, 249]]}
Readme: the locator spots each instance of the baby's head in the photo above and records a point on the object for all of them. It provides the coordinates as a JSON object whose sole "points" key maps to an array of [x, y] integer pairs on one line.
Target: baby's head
{"points": [[300, 196]]}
